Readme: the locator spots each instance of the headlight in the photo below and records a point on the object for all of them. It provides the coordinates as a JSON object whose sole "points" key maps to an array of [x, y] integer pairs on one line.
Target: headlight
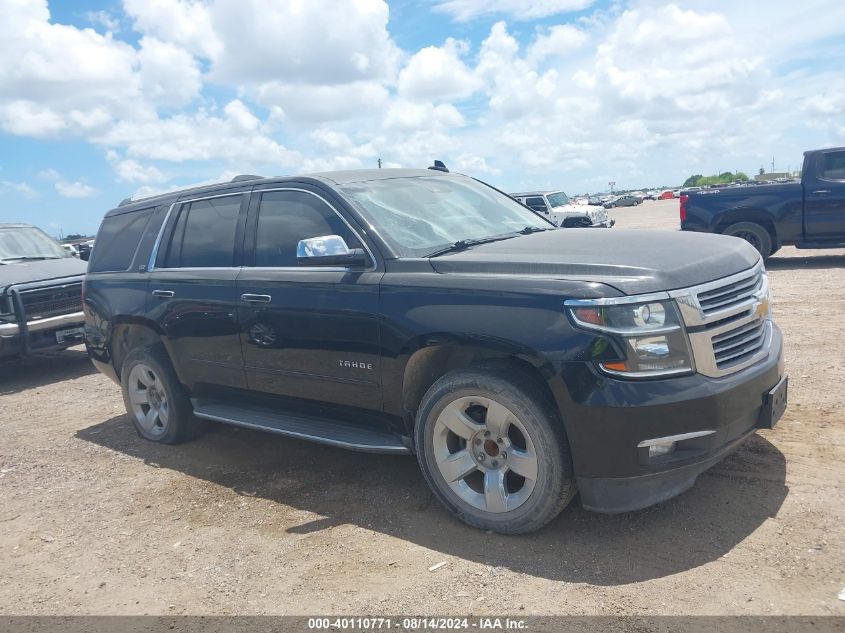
{"points": [[649, 335]]}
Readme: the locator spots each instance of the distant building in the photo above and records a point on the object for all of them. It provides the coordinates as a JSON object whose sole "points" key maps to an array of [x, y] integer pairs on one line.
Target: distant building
{"points": [[773, 176]]}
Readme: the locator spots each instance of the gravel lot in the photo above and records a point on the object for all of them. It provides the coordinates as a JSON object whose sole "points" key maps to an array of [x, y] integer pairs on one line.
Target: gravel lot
{"points": [[97, 521]]}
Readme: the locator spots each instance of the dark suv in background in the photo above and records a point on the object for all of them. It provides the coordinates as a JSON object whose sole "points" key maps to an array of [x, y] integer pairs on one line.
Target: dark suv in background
{"points": [[40, 293], [414, 311]]}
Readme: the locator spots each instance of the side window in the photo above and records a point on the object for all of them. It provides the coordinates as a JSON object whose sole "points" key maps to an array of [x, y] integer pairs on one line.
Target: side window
{"points": [[117, 241], [285, 217], [536, 202], [204, 234], [833, 166]]}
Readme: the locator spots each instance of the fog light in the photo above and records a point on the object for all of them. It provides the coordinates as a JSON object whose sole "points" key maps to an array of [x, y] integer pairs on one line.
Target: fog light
{"points": [[657, 450]]}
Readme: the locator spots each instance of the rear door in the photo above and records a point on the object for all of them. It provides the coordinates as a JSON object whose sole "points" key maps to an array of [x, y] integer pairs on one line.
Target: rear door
{"points": [[193, 292], [824, 198], [307, 332]]}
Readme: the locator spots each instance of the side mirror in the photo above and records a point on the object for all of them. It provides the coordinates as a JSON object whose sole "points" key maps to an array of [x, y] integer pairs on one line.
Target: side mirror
{"points": [[328, 250]]}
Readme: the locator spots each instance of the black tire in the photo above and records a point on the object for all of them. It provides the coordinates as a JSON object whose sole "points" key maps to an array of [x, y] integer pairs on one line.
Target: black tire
{"points": [[554, 485], [754, 234], [180, 424]]}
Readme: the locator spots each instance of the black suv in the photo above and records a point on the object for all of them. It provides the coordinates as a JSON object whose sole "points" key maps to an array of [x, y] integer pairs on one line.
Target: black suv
{"points": [[415, 311], [40, 293]]}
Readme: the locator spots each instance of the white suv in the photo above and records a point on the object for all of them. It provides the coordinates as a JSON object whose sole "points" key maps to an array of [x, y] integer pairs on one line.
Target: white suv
{"points": [[557, 207]]}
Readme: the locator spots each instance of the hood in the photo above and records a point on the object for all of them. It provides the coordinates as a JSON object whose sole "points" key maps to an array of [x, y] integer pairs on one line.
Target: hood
{"points": [[632, 261], [41, 270]]}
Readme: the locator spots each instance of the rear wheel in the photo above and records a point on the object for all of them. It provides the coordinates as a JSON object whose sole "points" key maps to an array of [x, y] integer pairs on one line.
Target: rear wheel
{"points": [[154, 398], [493, 451], [754, 234]]}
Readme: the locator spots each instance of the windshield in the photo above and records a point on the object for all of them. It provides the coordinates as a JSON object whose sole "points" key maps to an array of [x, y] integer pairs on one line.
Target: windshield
{"points": [[557, 199], [27, 242], [418, 216]]}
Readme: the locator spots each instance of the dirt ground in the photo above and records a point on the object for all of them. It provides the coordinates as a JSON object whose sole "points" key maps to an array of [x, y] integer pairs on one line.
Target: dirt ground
{"points": [[93, 520]]}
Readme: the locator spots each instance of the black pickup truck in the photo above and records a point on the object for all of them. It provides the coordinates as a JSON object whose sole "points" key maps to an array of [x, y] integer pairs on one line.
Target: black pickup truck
{"points": [[809, 214], [413, 311], [40, 293]]}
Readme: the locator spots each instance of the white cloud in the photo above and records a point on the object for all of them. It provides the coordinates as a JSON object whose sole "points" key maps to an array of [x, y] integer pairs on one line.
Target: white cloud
{"points": [[437, 73], [130, 170], [21, 188], [169, 75], [465, 10], [559, 41], [75, 189], [411, 116], [183, 22], [308, 103]]}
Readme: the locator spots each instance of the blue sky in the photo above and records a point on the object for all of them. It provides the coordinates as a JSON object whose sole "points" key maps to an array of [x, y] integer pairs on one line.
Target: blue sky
{"points": [[104, 99]]}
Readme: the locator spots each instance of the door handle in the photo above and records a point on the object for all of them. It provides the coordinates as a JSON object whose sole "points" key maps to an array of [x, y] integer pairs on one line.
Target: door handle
{"points": [[821, 192], [256, 298], [163, 294]]}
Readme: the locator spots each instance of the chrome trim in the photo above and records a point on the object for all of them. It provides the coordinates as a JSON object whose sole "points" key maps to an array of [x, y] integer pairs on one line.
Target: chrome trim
{"points": [[74, 318], [340, 215], [705, 359], [662, 373], [691, 310], [396, 450], [608, 301], [154, 253], [674, 438]]}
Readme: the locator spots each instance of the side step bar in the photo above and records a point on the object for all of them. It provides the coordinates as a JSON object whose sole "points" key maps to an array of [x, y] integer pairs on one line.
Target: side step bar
{"points": [[312, 429], [839, 244]]}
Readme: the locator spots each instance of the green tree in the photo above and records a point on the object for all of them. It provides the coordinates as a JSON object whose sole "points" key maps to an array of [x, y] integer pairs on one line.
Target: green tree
{"points": [[693, 180]]}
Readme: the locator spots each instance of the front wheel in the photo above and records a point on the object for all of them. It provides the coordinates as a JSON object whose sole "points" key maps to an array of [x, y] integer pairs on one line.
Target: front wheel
{"points": [[754, 234], [493, 451]]}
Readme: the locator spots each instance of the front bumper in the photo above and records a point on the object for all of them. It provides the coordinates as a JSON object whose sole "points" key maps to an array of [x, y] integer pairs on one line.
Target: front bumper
{"points": [[608, 427], [607, 224], [40, 334]]}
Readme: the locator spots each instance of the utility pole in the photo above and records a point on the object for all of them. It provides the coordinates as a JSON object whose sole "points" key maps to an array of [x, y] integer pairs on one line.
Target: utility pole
{"points": [[379, 163], [773, 164], [611, 184]]}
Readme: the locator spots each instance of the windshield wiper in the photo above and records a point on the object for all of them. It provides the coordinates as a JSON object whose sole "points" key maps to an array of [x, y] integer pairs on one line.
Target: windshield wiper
{"points": [[463, 244], [533, 229], [26, 258]]}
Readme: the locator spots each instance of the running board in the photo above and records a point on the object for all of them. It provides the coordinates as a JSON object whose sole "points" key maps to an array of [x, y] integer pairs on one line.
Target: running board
{"points": [[838, 244], [312, 429]]}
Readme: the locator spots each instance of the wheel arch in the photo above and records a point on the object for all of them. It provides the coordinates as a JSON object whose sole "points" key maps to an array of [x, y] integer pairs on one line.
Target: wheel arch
{"points": [[130, 334], [431, 362], [757, 216]]}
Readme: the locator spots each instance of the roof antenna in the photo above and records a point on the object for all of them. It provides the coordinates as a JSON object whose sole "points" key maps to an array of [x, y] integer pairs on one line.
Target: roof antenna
{"points": [[439, 165]]}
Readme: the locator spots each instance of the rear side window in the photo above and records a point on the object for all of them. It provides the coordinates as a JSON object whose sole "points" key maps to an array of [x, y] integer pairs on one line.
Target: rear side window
{"points": [[118, 240], [204, 234], [833, 166], [285, 217]]}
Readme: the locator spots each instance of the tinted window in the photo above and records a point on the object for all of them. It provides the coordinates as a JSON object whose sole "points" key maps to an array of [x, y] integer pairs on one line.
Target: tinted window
{"points": [[535, 203], [285, 217], [204, 234], [833, 166], [118, 240]]}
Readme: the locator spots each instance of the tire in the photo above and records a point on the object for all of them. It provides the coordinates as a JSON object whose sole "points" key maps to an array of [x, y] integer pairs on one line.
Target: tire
{"points": [[155, 400], [523, 439], [754, 234]]}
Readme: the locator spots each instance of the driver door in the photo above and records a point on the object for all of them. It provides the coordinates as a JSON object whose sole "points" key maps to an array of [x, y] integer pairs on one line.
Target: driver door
{"points": [[307, 332]]}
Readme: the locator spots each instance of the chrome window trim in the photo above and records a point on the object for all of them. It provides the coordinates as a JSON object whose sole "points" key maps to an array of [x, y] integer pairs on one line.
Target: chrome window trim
{"points": [[154, 254], [343, 219]]}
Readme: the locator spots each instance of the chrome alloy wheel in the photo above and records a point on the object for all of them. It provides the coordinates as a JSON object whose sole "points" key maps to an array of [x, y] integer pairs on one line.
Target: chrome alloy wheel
{"points": [[148, 399], [485, 454]]}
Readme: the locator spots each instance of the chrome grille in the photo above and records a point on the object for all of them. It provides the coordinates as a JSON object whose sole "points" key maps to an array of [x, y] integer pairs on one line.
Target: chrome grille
{"points": [[731, 294], [727, 321], [43, 303], [734, 346]]}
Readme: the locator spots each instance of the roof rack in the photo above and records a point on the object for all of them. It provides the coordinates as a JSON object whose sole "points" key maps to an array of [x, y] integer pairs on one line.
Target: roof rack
{"points": [[244, 177]]}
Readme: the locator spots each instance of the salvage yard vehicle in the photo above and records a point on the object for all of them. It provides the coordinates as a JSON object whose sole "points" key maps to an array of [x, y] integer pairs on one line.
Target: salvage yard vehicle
{"points": [[410, 311], [561, 211], [809, 214], [40, 293], [625, 200]]}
